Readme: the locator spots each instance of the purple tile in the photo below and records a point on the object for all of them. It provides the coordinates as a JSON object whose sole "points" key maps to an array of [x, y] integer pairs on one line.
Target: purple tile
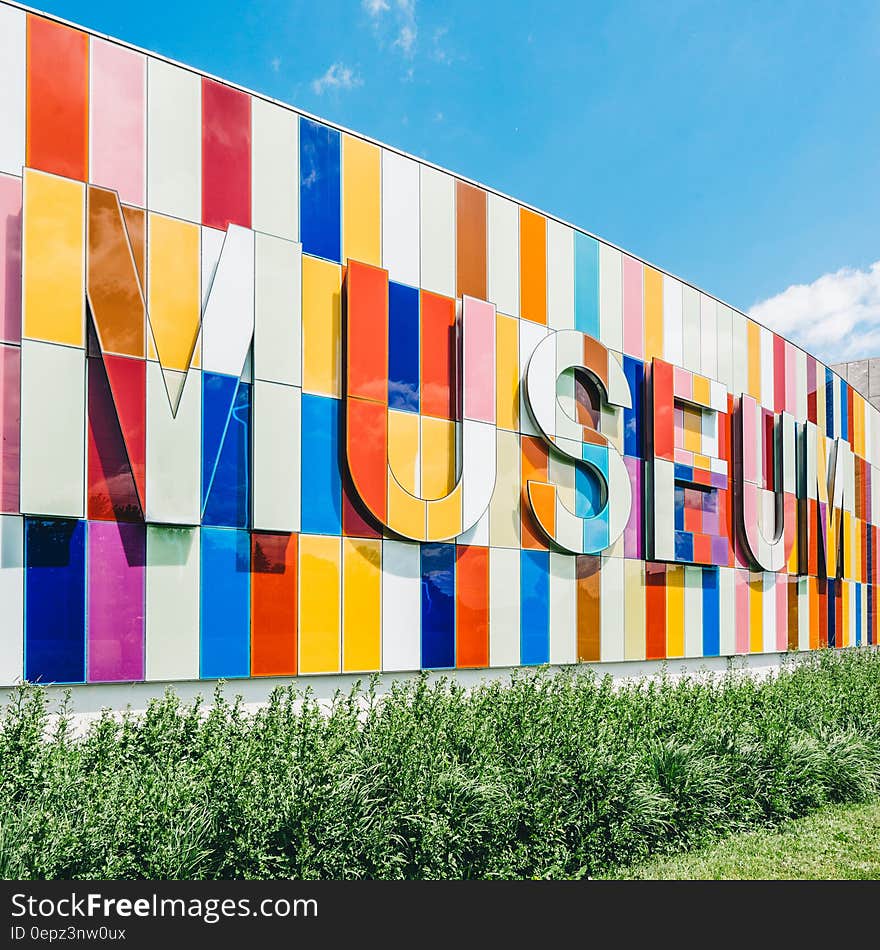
{"points": [[117, 557]]}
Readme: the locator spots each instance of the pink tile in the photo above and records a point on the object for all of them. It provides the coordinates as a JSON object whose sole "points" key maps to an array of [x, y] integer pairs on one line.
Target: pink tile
{"points": [[10, 259], [633, 308], [478, 319], [118, 120]]}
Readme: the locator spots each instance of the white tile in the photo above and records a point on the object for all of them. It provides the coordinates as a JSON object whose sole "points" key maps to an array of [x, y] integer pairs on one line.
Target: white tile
{"points": [[740, 349], [53, 461], [767, 395], [504, 607], [13, 72], [690, 322], [478, 470], [693, 611], [563, 608], [11, 592], [437, 226], [612, 598], [400, 218], [708, 337], [278, 311], [276, 463], [174, 450], [560, 275], [228, 322], [725, 345], [672, 332], [401, 606], [172, 605], [174, 140], [768, 605], [503, 255], [538, 380], [726, 611], [663, 494], [275, 169], [477, 535], [530, 335]]}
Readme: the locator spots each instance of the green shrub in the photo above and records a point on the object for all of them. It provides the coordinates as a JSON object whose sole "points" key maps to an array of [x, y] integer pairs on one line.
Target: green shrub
{"points": [[550, 775]]}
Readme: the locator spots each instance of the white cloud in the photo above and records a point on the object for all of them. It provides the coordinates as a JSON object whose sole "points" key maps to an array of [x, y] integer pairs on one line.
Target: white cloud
{"points": [[402, 17], [275, 64], [337, 77], [836, 317], [406, 39]]}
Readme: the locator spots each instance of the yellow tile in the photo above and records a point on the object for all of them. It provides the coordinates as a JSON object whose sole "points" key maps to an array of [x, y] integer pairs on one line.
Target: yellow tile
{"points": [[756, 613], [701, 461], [674, 610], [634, 610], [507, 372], [754, 346], [653, 313], [361, 211], [438, 457], [444, 516], [174, 300], [504, 507], [701, 390], [403, 449], [362, 605], [693, 428], [54, 259], [794, 556], [406, 514], [321, 326], [319, 575]]}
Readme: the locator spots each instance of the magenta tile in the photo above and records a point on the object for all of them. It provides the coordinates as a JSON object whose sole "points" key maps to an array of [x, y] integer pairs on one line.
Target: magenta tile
{"points": [[117, 557], [632, 534], [10, 427]]}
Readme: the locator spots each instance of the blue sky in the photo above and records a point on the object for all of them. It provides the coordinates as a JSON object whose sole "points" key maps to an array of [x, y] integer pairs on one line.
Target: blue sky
{"points": [[733, 144]]}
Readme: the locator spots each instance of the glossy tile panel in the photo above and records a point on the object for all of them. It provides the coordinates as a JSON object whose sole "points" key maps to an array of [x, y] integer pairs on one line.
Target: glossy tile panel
{"points": [[277, 400]]}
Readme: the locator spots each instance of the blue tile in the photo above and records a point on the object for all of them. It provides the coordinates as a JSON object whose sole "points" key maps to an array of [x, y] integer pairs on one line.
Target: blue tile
{"points": [[403, 347], [858, 615], [829, 403], [634, 371], [684, 546], [679, 507], [225, 602], [225, 486], [711, 608], [55, 600], [438, 606], [319, 190], [534, 580], [586, 284], [321, 478]]}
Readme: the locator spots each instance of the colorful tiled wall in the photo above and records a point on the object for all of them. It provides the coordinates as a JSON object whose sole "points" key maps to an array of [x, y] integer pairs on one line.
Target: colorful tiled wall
{"points": [[178, 263]]}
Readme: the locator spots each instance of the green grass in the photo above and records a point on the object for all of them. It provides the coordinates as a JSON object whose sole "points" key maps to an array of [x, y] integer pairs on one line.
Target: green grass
{"points": [[839, 842], [548, 776]]}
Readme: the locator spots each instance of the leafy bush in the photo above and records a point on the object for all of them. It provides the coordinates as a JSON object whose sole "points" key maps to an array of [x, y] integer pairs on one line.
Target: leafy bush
{"points": [[550, 775]]}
